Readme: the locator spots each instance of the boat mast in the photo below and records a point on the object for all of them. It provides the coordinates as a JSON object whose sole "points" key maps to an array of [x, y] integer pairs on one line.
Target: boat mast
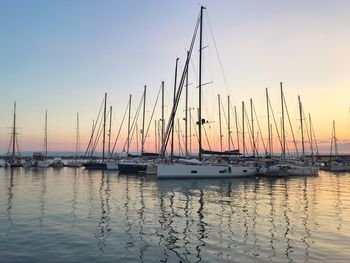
{"points": [[155, 136], [237, 130], [143, 120], [335, 141], [190, 117], [311, 138], [77, 138], [173, 122], [200, 85], [219, 102], [186, 112], [301, 127], [163, 121], [283, 130], [243, 136], [14, 132], [268, 121], [252, 116], [128, 140], [45, 134], [228, 123], [104, 129], [110, 132]]}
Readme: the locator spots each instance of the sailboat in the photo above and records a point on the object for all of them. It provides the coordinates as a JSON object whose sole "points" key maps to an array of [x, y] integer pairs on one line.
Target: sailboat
{"points": [[75, 163], [197, 169], [44, 162], [93, 163], [15, 160], [136, 165], [290, 167], [337, 164]]}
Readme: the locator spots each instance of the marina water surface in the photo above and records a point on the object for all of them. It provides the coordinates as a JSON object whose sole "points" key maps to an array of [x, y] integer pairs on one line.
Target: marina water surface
{"points": [[69, 215]]}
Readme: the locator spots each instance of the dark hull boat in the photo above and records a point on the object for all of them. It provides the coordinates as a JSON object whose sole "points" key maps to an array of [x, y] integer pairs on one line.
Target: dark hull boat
{"points": [[132, 168], [95, 165]]}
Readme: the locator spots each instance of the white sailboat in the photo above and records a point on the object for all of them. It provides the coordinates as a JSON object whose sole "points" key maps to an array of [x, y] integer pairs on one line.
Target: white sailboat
{"points": [[288, 167], [196, 169], [44, 163], [337, 164], [75, 163]]}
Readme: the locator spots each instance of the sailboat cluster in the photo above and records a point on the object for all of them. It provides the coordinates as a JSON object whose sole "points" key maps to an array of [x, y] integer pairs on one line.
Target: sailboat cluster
{"points": [[165, 164]]}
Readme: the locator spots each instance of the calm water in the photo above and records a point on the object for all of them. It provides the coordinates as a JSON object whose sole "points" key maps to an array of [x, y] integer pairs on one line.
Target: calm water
{"points": [[75, 216]]}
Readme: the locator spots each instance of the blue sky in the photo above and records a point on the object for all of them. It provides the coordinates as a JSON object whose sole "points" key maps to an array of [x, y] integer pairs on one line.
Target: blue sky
{"points": [[63, 55]]}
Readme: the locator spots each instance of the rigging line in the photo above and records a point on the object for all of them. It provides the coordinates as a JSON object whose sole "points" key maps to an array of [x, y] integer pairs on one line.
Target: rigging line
{"points": [[290, 125], [252, 143], [217, 52], [120, 127], [17, 146], [177, 99], [313, 132], [261, 137], [226, 119], [93, 131], [206, 137], [307, 131], [134, 122], [99, 133], [180, 150], [237, 123], [274, 120], [151, 118], [134, 126], [194, 125]]}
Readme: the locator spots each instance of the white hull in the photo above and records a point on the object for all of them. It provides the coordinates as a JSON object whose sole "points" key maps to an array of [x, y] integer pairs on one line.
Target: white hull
{"points": [[43, 164], [112, 166], [187, 171], [73, 164]]}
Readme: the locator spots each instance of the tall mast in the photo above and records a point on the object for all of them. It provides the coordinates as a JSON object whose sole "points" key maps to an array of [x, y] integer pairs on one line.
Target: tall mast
{"points": [[243, 135], [190, 117], [77, 138], [104, 129], [110, 132], [128, 146], [45, 135], [219, 102], [237, 130], [228, 123], [301, 127], [268, 121], [178, 136], [155, 136], [311, 138], [335, 141], [163, 121], [14, 131], [143, 121], [252, 117], [200, 85], [283, 130], [186, 111], [173, 122]]}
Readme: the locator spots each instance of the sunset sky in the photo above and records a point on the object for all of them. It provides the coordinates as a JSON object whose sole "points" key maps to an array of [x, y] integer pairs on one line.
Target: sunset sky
{"points": [[64, 55]]}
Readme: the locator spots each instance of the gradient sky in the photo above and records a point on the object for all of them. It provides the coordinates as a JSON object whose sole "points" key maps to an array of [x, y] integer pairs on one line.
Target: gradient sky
{"points": [[63, 55]]}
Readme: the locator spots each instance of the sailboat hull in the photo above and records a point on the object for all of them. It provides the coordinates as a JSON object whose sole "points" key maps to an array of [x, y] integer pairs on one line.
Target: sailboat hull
{"points": [[186, 171], [283, 170]]}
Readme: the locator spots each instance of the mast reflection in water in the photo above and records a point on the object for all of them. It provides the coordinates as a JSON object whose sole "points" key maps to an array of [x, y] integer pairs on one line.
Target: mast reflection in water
{"points": [[74, 215]]}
